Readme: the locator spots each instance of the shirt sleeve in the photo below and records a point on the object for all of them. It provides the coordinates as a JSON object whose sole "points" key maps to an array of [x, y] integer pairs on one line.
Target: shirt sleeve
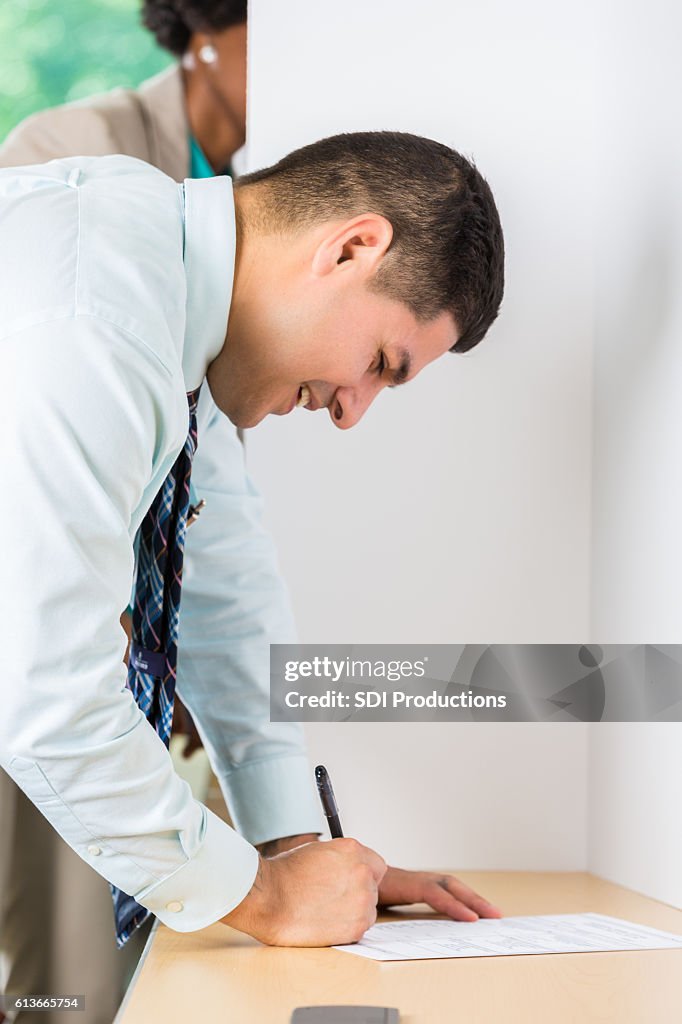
{"points": [[89, 417], [234, 605]]}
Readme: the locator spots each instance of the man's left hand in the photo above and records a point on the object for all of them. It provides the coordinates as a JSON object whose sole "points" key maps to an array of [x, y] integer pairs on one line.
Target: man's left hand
{"points": [[445, 893]]}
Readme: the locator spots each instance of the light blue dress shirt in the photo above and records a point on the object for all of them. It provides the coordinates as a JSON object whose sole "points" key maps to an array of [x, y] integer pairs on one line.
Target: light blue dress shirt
{"points": [[115, 287]]}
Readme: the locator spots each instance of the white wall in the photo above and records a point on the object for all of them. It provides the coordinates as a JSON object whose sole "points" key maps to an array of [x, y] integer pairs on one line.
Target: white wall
{"points": [[637, 540], [461, 795], [635, 795], [636, 770], [460, 509]]}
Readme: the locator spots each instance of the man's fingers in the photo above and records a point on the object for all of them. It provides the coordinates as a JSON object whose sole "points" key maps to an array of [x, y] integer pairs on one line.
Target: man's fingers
{"points": [[400, 887], [363, 855], [376, 864], [444, 902], [463, 896], [445, 893]]}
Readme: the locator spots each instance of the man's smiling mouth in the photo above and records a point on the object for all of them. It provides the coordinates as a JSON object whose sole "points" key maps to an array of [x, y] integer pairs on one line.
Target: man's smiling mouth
{"points": [[304, 396]]}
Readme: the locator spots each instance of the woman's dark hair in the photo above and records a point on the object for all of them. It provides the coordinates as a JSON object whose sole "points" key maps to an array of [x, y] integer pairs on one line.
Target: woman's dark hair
{"points": [[173, 22]]}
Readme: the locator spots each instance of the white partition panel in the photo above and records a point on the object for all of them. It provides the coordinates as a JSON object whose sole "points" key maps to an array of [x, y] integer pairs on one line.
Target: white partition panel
{"points": [[635, 794], [637, 540], [459, 508], [463, 508], [635, 772], [477, 797]]}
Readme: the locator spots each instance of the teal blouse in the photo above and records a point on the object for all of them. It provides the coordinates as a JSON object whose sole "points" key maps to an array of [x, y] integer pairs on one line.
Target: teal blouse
{"points": [[199, 167]]}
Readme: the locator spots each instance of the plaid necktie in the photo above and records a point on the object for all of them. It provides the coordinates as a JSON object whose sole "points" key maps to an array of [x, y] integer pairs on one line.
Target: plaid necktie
{"points": [[153, 649]]}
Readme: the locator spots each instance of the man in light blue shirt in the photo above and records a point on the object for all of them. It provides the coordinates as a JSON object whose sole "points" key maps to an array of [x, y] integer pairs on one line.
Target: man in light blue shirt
{"points": [[121, 292]]}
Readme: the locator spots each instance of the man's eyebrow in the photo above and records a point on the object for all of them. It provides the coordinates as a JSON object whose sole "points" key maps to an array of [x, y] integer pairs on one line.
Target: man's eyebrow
{"points": [[401, 374]]}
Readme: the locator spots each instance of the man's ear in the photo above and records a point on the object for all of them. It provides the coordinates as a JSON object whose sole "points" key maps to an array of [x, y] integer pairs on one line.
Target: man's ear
{"points": [[357, 245]]}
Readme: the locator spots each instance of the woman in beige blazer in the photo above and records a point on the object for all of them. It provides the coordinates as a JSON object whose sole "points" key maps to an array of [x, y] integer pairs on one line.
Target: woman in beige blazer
{"points": [[203, 98], [56, 921]]}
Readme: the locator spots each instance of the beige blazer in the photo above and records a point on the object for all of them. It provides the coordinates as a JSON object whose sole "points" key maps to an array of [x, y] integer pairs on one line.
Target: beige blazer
{"points": [[149, 122]]}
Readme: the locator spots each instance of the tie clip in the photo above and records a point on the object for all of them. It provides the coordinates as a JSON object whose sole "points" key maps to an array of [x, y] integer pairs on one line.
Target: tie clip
{"points": [[194, 511]]}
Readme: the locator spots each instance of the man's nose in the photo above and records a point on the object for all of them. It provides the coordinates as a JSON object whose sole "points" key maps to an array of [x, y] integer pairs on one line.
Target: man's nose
{"points": [[350, 404]]}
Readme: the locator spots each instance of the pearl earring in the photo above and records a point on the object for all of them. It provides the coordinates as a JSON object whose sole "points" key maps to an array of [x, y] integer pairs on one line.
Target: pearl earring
{"points": [[208, 54]]}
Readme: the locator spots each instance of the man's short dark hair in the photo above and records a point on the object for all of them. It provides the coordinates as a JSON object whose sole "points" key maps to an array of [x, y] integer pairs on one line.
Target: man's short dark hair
{"points": [[447, 251], [173, 22]]}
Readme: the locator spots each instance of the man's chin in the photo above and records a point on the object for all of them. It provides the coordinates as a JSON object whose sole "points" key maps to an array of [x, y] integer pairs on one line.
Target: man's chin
{"points": [[242, 418], [245, 422], [243, 414]]}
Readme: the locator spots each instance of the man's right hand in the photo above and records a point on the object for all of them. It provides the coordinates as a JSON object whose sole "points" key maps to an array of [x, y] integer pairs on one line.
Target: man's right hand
{"points": [[320, 894]]}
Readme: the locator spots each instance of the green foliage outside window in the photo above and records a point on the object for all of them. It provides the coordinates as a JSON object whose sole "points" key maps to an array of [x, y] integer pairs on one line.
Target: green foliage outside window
{"points": [[53, 51]]}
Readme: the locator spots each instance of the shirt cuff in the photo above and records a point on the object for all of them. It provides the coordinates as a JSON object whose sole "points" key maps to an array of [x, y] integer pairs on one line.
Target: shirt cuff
{"points": [[273, 798], [208, 886]]}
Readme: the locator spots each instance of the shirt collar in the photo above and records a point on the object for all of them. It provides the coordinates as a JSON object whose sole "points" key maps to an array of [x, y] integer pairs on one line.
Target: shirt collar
{"points": [[210, 238]]}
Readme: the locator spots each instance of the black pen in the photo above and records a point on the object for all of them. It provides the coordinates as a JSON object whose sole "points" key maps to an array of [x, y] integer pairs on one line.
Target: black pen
{"points": [[331, 811]]}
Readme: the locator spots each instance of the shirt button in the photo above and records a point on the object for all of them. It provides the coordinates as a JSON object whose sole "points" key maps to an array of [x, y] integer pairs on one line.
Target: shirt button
{"points": [[94, 851], [175, 906]]}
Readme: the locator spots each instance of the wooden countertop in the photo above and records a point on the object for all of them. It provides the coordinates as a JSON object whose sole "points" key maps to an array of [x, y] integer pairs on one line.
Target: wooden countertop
{"points": [[219, 975]]}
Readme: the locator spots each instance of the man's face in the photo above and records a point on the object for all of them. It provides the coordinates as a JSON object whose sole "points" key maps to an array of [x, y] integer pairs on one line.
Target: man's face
{"points": [[323, 340]]}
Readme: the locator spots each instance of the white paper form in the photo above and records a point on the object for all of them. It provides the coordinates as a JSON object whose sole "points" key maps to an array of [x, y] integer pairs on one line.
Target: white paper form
{"points": [[507, 936]]}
